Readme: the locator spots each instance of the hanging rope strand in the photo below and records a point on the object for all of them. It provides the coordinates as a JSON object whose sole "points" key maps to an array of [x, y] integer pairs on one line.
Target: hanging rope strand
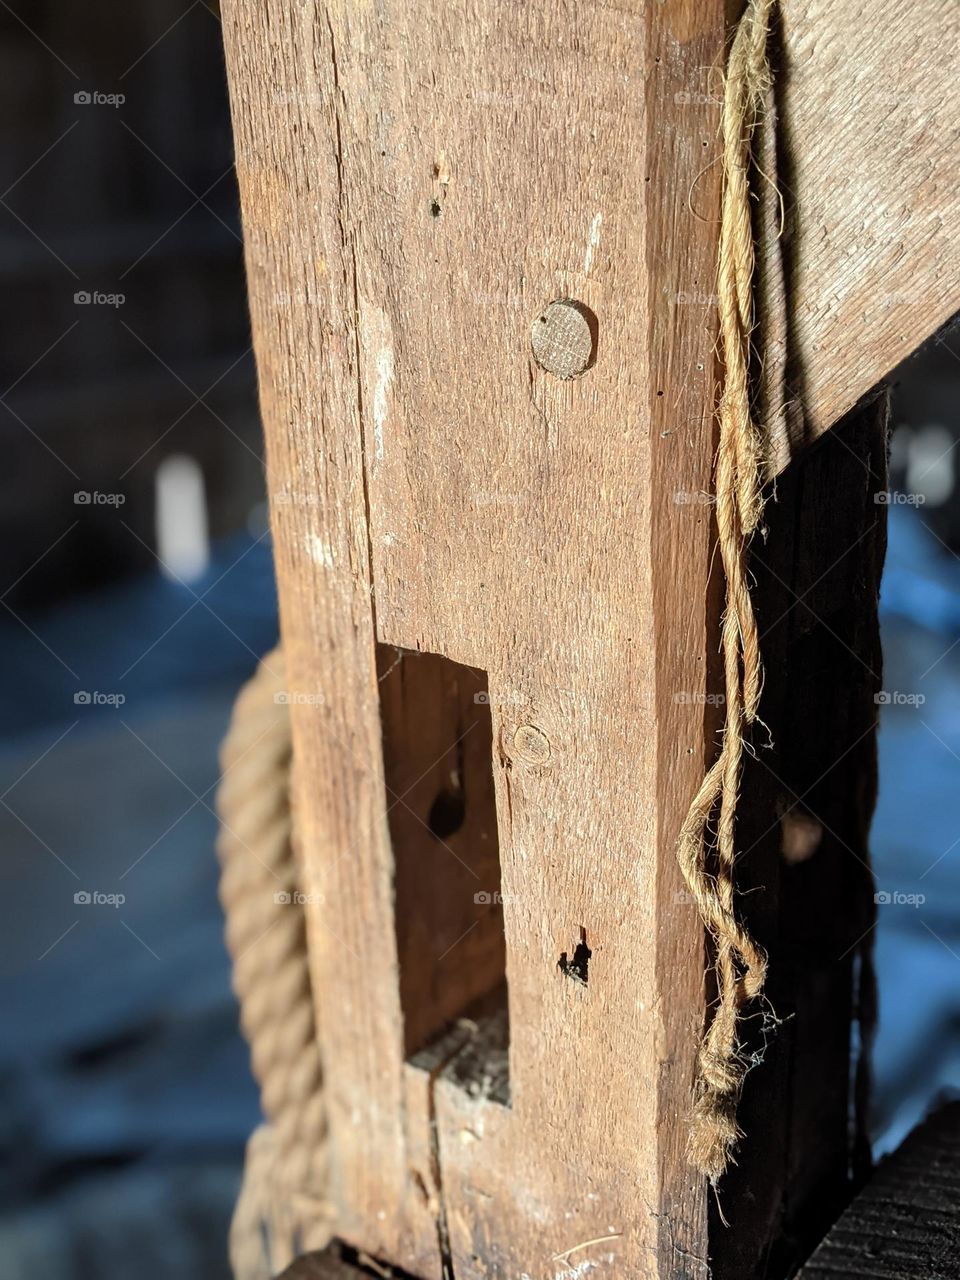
{"points": [[740, 964]]}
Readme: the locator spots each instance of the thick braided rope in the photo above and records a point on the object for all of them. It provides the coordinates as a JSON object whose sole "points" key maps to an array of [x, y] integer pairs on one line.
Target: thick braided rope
{"points": [[740, 964], [280, 1211]]}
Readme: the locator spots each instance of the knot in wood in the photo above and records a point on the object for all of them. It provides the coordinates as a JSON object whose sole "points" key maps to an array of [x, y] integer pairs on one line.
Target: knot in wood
{"points": [[564, 338], [531, 746]]}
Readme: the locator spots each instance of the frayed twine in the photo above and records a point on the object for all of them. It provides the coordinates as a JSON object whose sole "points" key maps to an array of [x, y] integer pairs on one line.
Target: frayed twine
{"points": [[740, 964]]}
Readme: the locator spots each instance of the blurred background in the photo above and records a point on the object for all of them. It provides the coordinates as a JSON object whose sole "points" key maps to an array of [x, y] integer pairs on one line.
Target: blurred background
{"points": [[137, 591]]}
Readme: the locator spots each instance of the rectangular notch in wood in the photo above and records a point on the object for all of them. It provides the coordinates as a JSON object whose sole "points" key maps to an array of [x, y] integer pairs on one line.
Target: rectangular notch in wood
{"points": [[438, 769]]}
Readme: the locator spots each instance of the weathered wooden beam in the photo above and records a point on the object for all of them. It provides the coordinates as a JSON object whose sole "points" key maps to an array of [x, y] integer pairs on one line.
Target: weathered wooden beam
{"points": [[867, 160], [434, 488]]}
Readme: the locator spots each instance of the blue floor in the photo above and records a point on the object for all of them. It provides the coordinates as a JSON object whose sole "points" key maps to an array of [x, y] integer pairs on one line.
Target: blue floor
{"points": [[125, 1090]]}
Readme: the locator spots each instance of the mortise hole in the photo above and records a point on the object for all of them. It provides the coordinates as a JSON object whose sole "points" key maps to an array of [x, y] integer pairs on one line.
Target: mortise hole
{"points": [[442, 815]]}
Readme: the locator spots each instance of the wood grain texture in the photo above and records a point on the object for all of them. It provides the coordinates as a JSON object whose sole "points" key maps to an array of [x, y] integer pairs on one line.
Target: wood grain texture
{"points": [[905, 1224], [869, 169]]}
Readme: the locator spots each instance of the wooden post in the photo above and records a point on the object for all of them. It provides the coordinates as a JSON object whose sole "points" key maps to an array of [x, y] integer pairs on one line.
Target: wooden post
{"points": [[437, 490], [481, 247]]}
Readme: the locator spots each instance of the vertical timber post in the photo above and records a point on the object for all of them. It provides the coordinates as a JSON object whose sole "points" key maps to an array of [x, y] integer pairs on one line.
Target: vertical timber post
{"points": [[481, 241]]}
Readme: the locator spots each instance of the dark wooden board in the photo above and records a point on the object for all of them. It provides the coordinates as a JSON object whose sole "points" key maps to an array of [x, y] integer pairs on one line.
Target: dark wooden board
{"points": [[905, 1224]]}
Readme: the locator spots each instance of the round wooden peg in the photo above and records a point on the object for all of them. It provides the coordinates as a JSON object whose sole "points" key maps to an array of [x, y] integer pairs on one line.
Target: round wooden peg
{"points": [[564, 338]]}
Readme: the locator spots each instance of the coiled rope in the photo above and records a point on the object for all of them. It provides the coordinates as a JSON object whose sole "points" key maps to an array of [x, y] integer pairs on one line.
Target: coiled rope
{"points": [[280, 1212], [740, 964]]}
